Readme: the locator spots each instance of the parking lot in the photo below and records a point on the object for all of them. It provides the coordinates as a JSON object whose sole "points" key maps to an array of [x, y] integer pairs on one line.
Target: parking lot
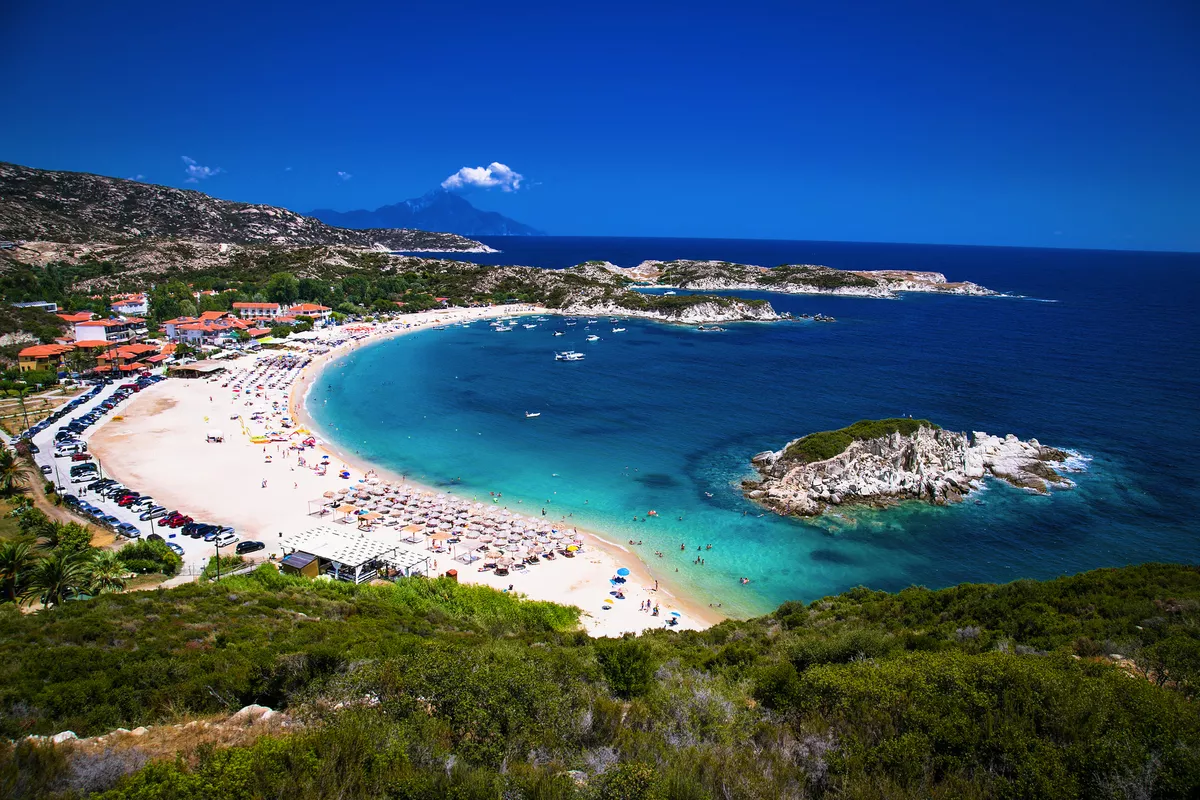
{"points": [[99, 503]]}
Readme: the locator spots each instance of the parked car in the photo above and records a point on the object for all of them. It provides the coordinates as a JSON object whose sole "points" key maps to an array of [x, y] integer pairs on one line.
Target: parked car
{"points": [[154, 537], [110, 520], [226, 538], [126, 529], [81, 457], [47, 469], [248, 547], [179, 522], [176, 549], [70, 499], [154, 513], [165, 520]]}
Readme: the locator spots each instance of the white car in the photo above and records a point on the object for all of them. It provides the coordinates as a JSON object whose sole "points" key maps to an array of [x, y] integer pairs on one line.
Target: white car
{"points": [[226, 539]]}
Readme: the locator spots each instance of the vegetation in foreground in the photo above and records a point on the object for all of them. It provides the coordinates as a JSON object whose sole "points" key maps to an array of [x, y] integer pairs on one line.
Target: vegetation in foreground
{"points": [[434, 689], [827, 444]]}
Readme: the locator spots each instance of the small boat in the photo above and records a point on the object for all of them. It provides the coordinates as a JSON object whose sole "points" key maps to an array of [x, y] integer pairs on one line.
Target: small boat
{"points": [[708, 494], [558, 333], [528, 327], [593, 338], [571, 322], [667, 293], [618, 330], [504, 329], [532, 414], [592, 321], [569, 355], [710, 328]]}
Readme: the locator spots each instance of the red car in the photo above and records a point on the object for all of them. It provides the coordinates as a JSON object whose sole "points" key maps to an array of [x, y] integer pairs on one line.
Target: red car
{"points": [[164, 521], [81, 457], [179, 521]]}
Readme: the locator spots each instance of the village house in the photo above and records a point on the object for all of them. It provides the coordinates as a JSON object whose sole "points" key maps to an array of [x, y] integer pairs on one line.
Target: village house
{"points": [[113, 330], [258, 311], [42, 357], [130, 304], [315, 312]]}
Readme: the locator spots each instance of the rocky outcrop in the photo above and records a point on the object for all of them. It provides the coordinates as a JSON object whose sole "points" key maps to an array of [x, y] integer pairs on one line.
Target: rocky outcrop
{"points": [[930, 465], [699, 313], [705, 276]]}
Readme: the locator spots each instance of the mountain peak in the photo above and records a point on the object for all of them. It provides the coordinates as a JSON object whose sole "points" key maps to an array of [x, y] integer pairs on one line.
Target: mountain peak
{"points": [[438, 210]]}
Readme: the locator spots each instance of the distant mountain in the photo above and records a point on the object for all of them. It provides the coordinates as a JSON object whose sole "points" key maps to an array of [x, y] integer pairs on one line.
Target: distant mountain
{"points": [[69, 207], [438, 210]]}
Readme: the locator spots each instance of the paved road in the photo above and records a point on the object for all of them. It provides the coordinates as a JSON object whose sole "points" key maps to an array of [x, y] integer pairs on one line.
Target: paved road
{"points": [[196, 551]]}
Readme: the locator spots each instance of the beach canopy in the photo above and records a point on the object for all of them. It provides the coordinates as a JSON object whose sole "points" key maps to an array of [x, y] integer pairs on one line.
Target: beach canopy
{"points": [[622, 572], [676, 614]]}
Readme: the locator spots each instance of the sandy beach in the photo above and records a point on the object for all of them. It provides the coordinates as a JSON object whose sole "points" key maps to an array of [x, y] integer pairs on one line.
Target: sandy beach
{"points": [[158, 445]]}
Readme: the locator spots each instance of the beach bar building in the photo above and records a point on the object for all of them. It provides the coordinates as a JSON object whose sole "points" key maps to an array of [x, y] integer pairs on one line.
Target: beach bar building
{"points": [[349, 556]]}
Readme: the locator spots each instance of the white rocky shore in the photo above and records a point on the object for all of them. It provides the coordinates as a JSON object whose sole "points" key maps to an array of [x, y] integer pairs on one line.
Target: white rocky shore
{"points": [[698, 314], [931, 465], [791, 279]]}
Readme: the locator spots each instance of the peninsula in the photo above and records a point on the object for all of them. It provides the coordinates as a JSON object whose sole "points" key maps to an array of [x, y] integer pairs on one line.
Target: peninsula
{"points": [[884, 462], [792, 279]]}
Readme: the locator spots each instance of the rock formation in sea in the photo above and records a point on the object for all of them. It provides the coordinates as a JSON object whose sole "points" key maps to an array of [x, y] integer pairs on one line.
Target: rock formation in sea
{"points": [[916, 460]]}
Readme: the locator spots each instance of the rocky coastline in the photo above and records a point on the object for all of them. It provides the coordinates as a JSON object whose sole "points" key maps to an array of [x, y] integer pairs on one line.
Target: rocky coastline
{"points": [[930, 465], [791, 279]]}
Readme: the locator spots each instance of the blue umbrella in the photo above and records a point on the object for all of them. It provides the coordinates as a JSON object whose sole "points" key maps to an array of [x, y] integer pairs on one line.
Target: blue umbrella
{"points": [[622, 572], [676, 614]]}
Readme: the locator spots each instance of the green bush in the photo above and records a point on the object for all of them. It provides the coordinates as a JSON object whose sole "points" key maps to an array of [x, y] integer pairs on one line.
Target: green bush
{"points": [[827, 444], [628, 666], [147, 555]]}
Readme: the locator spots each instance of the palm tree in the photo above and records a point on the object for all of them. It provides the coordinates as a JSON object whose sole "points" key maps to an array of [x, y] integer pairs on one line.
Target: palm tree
{"points": [[16, 562], [58, 577], [107, 572], [13, 475]]}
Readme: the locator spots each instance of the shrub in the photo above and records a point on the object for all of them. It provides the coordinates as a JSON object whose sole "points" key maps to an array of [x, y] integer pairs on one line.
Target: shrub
{"points": [[628, 666], [827, 444], [150, 556]]}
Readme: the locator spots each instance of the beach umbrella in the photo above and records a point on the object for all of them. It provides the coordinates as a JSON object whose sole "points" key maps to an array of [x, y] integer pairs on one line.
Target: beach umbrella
{"points": [[623, 572], [573, 547], [676, 614], [330, 494], [493, 554]]}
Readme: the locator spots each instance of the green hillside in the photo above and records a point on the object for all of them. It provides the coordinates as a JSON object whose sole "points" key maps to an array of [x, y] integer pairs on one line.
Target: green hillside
{"points": [[452, 691]]}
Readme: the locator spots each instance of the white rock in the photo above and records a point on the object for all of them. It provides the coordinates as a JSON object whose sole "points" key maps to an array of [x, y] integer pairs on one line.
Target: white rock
{"points": [[65, 736]]}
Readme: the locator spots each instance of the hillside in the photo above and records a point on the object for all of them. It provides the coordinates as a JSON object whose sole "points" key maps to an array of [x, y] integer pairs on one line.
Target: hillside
{"points": [[438, 210], [1080, 687], [78, 207]]}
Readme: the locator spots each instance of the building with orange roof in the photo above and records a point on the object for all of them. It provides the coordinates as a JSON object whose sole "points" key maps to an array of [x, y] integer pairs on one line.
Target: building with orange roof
{"points": [[79, 316], [312, 310], [257, 310], [113, 330], [42, 357], [126, 358], [130, 304]]}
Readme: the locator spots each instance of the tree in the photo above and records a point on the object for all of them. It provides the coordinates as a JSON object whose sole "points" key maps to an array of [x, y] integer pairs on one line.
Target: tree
{"points": [[73, 537], [187, 308], [282, 287], [14, 477], [628, 666], [17, 560], [57, 577], [107, 572]]}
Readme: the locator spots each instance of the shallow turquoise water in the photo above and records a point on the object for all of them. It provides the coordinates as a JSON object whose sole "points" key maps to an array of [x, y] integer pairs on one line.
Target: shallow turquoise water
{"points": [[659, 417]]}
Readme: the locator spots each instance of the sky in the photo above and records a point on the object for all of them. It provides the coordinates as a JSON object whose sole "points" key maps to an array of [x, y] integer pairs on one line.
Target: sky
{"points": [[1026, 123]]}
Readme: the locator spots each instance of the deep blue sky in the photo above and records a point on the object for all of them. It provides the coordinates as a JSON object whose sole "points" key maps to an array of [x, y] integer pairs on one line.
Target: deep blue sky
{"points": [[1027, 122]]}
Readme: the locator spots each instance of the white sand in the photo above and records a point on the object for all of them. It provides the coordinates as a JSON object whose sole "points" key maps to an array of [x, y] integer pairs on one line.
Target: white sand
{"points": [[157, 445]]}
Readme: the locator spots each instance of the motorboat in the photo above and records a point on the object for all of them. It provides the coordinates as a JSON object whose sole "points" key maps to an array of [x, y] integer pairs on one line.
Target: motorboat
{"points": [[528, 327], [569, 355], [710, 328], [618, 330], [593, 338], [558, 333], [667, 293], [532, 414], [504, 328]]}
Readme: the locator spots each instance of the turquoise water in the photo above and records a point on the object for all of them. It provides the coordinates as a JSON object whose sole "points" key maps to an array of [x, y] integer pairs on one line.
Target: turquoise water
{"points": [[660, 417]]}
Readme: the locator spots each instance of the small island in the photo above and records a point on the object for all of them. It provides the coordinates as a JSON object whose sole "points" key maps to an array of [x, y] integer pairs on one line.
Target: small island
{"points": [[887, 461]]}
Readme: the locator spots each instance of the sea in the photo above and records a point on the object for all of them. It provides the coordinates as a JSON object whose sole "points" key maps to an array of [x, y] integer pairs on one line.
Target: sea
{"points": [[1094, 352]]}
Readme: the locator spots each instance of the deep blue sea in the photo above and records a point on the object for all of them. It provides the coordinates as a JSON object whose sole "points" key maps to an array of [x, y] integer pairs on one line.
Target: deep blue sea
{"points": [[1097, 352]]}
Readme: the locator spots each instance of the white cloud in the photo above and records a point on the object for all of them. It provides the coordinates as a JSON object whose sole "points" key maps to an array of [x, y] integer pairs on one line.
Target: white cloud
{"points": [[344, 175], [196, 172], [493, 175], [137, 177]]}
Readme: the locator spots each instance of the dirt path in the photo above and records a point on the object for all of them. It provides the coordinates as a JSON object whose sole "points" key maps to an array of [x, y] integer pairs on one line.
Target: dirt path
{"points": [[37, 493]]}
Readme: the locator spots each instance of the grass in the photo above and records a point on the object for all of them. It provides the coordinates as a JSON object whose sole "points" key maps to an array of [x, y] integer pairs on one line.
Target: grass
{"points": [[827, 444]]}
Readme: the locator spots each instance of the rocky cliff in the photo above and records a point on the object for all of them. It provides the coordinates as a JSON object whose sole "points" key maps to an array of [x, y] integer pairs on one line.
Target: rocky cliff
{"points": [[931, 465]]}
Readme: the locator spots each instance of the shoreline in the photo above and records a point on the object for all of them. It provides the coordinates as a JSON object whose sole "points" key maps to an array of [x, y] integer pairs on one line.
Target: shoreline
{"points": [[641, 572], [157, 445]]}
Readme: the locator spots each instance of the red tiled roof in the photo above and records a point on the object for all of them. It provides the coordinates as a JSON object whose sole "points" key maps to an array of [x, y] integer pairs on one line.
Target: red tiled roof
{"points": [[45, 350], [256, 332], [109, 323], [93, 344], [213, 314], [158, 358], [256, 305], [303, 307], [79, 316]]}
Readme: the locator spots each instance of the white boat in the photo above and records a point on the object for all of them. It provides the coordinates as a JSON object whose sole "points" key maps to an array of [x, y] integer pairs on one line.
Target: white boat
{"points": [[593, 338], [558, 333], [667, 293], [592, 321], [618, 330], [571, 322], [503, 328], [569, 355], [532, 414], [527, 327]]}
